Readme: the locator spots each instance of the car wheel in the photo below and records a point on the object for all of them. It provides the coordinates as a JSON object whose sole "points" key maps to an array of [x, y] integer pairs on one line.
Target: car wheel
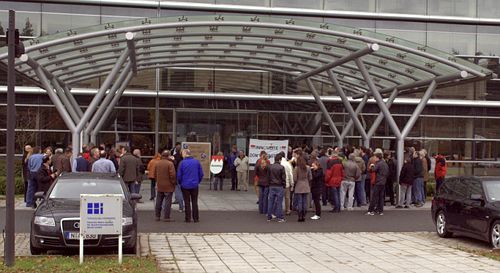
{"points": [[35, 250], [441, 225], [495, 235]]}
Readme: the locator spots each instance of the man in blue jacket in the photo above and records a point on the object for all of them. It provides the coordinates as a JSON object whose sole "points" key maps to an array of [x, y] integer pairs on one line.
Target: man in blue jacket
{"points": [[189, 176]]}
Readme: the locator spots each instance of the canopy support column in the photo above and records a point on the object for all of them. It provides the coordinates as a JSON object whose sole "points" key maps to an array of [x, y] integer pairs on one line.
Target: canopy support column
{"points": [[102, 91], [65, 100], [378, 98], [348, 106], [380, 116], [326, 115], [104, 104], [111, 106], [73, 100], [131, 48]]}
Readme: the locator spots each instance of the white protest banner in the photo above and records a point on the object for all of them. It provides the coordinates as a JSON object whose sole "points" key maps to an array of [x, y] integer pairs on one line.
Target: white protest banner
{"points": [[272, 148]]}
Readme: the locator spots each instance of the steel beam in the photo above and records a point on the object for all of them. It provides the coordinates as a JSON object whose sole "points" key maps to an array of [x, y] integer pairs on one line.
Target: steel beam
{"points": [[131, 48], [105, 103], [347, 105], [361, 52], [112, 104], [326, 115], [102, 91], [378, 98], [418, 110], [72, 99], [380, 116], [65, 100], [420, 83], [350, 123]]}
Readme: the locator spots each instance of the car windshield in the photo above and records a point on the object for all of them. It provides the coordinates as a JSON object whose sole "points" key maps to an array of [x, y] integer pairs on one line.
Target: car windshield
{"points": [[71, 189], [493, 190]]}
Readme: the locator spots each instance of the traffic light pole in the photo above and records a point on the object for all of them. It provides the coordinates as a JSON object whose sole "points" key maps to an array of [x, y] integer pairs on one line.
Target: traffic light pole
{"points": [[9, 243]]}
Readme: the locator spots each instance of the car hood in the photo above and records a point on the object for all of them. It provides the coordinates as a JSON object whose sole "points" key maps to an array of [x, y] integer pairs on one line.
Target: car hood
{"points": [[65, 208]]}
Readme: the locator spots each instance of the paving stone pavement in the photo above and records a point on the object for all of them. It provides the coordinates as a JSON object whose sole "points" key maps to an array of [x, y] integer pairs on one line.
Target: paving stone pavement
{"points": [[310, 252], [306, 252]]}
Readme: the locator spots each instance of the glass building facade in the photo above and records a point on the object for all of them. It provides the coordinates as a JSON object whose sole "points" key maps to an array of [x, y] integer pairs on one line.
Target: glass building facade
{"points": [[150, 116]]}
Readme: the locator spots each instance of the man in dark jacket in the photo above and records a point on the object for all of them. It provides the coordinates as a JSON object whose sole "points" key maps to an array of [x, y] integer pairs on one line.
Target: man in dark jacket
{"points": [[277, 184], [234, 175], [44, 176], [189, 176], [129, 169], [405, 184], [382, 171], [418, 180], [164, 174]]}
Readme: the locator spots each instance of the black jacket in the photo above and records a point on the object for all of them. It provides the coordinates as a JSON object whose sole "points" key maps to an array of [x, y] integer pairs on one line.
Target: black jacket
{"points": [[277, 176], [318, 180], [262, 174], [43, 178], [418, 168], [407, 173]]}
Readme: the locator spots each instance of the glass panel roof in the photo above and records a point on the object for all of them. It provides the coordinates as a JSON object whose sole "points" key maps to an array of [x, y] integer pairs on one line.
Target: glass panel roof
{"points": [[272, 44]]}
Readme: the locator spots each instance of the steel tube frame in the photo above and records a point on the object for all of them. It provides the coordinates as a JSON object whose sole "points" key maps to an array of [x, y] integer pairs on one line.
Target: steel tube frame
{"points": [[72, 99], [326, 115], [418, 110], [252, 24], [98, 97], [361, 52], [112, 104], [348, 106], [439, 79], [65, 100], [107, 99], [378, 98], [380, 116], [350, 123], [131, 48]]}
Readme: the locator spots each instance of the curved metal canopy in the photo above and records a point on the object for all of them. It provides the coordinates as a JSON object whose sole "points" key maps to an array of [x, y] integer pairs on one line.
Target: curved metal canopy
{"points": [[302, 49]]}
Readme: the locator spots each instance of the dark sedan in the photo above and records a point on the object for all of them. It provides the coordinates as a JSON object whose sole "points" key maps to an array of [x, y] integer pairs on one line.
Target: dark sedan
{"points": [[56, 222], [469, 206]]}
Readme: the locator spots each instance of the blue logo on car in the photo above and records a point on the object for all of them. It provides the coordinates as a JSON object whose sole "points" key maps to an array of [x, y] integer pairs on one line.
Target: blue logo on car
{"points": [[95, 208]]}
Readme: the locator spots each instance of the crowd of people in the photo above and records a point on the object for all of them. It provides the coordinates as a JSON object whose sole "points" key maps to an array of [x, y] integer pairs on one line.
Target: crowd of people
{"points": [[172, 172], [293, 182], [344, 177]]}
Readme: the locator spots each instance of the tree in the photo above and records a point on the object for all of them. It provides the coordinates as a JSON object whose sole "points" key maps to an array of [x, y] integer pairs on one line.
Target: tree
{"points": [[2, 31], [28, 28]]}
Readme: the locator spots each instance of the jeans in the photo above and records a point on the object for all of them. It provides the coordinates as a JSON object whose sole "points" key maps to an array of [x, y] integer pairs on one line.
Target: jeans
{"points": [[137, 187], [418, 188], [166, 207], [178, 197], [130, 186], [243, 180], [153, 189], [359, 192], [301, 203], [335, 198], [347, 187], [263, 199], [377, 200], [191, 198], [325, 195], [32, 188], [439, 182], [389, 190], [404, 194], [217, 181], [234, 180], [316, 196], [275, 201]]}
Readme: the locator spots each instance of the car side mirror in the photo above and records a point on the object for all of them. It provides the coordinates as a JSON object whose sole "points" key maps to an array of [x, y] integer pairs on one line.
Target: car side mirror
{"points": [[40, 195], [135, 196], [476, 197]]}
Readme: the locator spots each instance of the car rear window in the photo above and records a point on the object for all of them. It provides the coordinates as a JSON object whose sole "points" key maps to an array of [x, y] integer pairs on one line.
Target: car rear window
{"points": [[71, 189], [492, 190]]}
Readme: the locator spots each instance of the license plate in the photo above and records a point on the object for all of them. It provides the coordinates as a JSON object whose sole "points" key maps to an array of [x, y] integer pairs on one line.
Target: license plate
{"points": [[76, 236]]}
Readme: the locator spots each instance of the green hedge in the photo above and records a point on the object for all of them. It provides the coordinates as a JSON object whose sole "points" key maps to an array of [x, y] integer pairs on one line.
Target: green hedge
{"points": [[18, 177]]}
